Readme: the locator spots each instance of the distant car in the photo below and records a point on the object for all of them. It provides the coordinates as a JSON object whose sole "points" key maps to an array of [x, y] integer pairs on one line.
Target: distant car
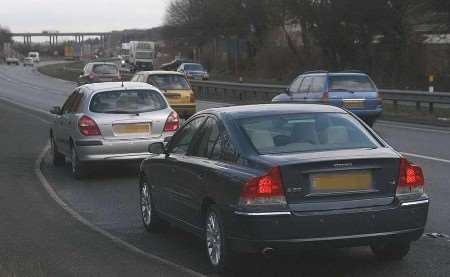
{"points": [[34, 56], [98, 72], [175, 88], [276, 177], [27, 61], [353, 91], [109, 122], [194, 71], [12, 60]]}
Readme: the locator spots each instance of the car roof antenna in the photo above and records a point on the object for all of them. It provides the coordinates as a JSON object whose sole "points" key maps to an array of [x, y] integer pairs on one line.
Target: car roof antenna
{"points": [[122, 83]]}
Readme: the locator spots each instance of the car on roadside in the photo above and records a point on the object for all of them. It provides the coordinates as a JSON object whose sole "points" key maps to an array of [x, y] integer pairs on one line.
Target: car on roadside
{"points": [[175, 88], [351, 90], [277, 177], [97, 72], [12, 60], [194, 71], [107, 122], [27, 61]]}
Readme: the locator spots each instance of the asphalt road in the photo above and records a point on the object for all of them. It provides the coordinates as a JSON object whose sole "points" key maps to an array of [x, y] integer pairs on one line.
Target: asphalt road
{"points": [[110, 199]]}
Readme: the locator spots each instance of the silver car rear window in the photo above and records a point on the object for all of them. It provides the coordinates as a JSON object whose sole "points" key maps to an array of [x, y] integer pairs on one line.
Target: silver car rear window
{"points": [[127, 102], [276, 134], [105, 69]]}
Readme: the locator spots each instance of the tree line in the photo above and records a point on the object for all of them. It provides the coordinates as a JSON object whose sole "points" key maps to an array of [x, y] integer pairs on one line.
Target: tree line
{"points": [[382, 37]]}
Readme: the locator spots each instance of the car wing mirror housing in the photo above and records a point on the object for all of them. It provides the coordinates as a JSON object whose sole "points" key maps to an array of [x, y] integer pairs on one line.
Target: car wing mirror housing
{"points": [[55, 110], [157, 148]]}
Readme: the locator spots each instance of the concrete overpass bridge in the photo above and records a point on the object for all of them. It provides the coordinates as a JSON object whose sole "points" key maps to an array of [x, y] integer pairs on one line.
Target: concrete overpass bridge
{"points": [[53, 36]]}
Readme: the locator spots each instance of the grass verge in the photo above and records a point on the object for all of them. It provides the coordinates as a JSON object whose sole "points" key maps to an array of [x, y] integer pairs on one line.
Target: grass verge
{"points": [[65, 71]]}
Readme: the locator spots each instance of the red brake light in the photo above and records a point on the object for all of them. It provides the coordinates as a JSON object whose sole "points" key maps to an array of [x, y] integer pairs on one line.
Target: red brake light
{"points": [[263, 190], [325, 97], [88, 127], [172, 123], [411, 179], [92, 76]]}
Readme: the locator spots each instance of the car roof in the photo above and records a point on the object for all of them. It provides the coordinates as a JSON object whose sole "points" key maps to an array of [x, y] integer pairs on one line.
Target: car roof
{"points": [[160, 72], [111, 86], [272, 109], [334, 74]]}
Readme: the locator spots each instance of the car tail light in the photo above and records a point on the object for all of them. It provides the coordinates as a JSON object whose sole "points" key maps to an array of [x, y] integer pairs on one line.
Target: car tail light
{"points": [[88, 127], [264, 190], [92, 76], [411, 179], [325, 97], [172, 123]]}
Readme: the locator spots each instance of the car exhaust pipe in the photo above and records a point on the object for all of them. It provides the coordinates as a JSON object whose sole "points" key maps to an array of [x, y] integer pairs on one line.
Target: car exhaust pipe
{"points": [[267, 252]]}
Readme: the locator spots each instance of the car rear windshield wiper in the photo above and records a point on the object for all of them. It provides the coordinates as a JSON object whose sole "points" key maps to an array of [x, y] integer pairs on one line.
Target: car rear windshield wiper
{"points": [[341, 89]]}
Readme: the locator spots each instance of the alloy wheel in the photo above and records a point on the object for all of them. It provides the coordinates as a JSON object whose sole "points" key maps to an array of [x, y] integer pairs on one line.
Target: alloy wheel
{"points": [[146, 204], [213, 239]]}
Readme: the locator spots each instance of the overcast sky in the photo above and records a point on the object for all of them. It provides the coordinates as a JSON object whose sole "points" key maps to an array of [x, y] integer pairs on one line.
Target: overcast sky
{"points": [[81, 15]]}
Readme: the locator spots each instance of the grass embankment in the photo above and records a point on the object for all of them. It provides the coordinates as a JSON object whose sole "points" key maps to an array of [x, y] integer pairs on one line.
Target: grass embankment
{"points": [[65, 71]]}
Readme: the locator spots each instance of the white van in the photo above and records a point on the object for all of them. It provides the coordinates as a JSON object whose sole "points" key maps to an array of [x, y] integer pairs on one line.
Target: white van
{"points": [[35, 56]]}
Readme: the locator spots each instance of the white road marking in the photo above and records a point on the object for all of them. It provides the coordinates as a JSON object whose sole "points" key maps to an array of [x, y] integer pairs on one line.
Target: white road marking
{"points": [[44, 182], [426, 157], [439, 131]]}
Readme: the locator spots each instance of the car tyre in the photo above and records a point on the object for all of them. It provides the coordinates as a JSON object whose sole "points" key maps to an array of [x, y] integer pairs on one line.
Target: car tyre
{"points": [[219, 256], [58, 159], [152, 222], [392, 251], [79, 170]]}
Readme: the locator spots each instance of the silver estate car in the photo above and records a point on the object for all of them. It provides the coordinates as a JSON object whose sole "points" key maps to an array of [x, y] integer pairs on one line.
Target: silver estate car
{"points": [[110, 122]]}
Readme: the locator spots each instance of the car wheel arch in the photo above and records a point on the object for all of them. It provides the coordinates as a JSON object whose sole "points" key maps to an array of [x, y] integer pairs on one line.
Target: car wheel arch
{"points": [[206, 203]]}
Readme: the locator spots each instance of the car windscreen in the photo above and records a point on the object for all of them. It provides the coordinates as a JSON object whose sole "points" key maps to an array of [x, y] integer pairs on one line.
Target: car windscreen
{"points": [[32, 55], [105, 69], [169, 82], [276, 134], [351, 83], [144, 55], [127, 102], [193, 67]]}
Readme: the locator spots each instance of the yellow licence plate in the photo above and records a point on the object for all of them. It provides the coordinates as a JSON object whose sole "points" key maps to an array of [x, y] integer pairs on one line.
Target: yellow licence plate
{"points": [[353, 103], [131, 128], [342, 181]]}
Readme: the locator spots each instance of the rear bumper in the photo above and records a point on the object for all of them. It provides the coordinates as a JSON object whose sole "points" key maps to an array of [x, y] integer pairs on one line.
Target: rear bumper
{"points": [[290, 231], [115, 150]]}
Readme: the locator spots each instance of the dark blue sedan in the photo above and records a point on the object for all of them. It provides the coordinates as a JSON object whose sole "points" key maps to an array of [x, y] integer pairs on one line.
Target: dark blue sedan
{"points": [[278, 177], [353, 91]]}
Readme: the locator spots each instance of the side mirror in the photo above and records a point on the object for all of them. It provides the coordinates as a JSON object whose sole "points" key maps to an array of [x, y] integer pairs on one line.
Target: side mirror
{"points": [[55, 110], [287, 91], [157, 148]]}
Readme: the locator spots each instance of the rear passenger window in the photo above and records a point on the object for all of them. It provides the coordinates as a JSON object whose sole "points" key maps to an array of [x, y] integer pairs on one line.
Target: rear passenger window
{"points": [[207, 139], [318, 84], [224, 149], [306, 84]]}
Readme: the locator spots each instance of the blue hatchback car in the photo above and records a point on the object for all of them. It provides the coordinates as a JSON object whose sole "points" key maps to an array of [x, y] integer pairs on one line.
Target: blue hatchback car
{"points": [[351, 90]]}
